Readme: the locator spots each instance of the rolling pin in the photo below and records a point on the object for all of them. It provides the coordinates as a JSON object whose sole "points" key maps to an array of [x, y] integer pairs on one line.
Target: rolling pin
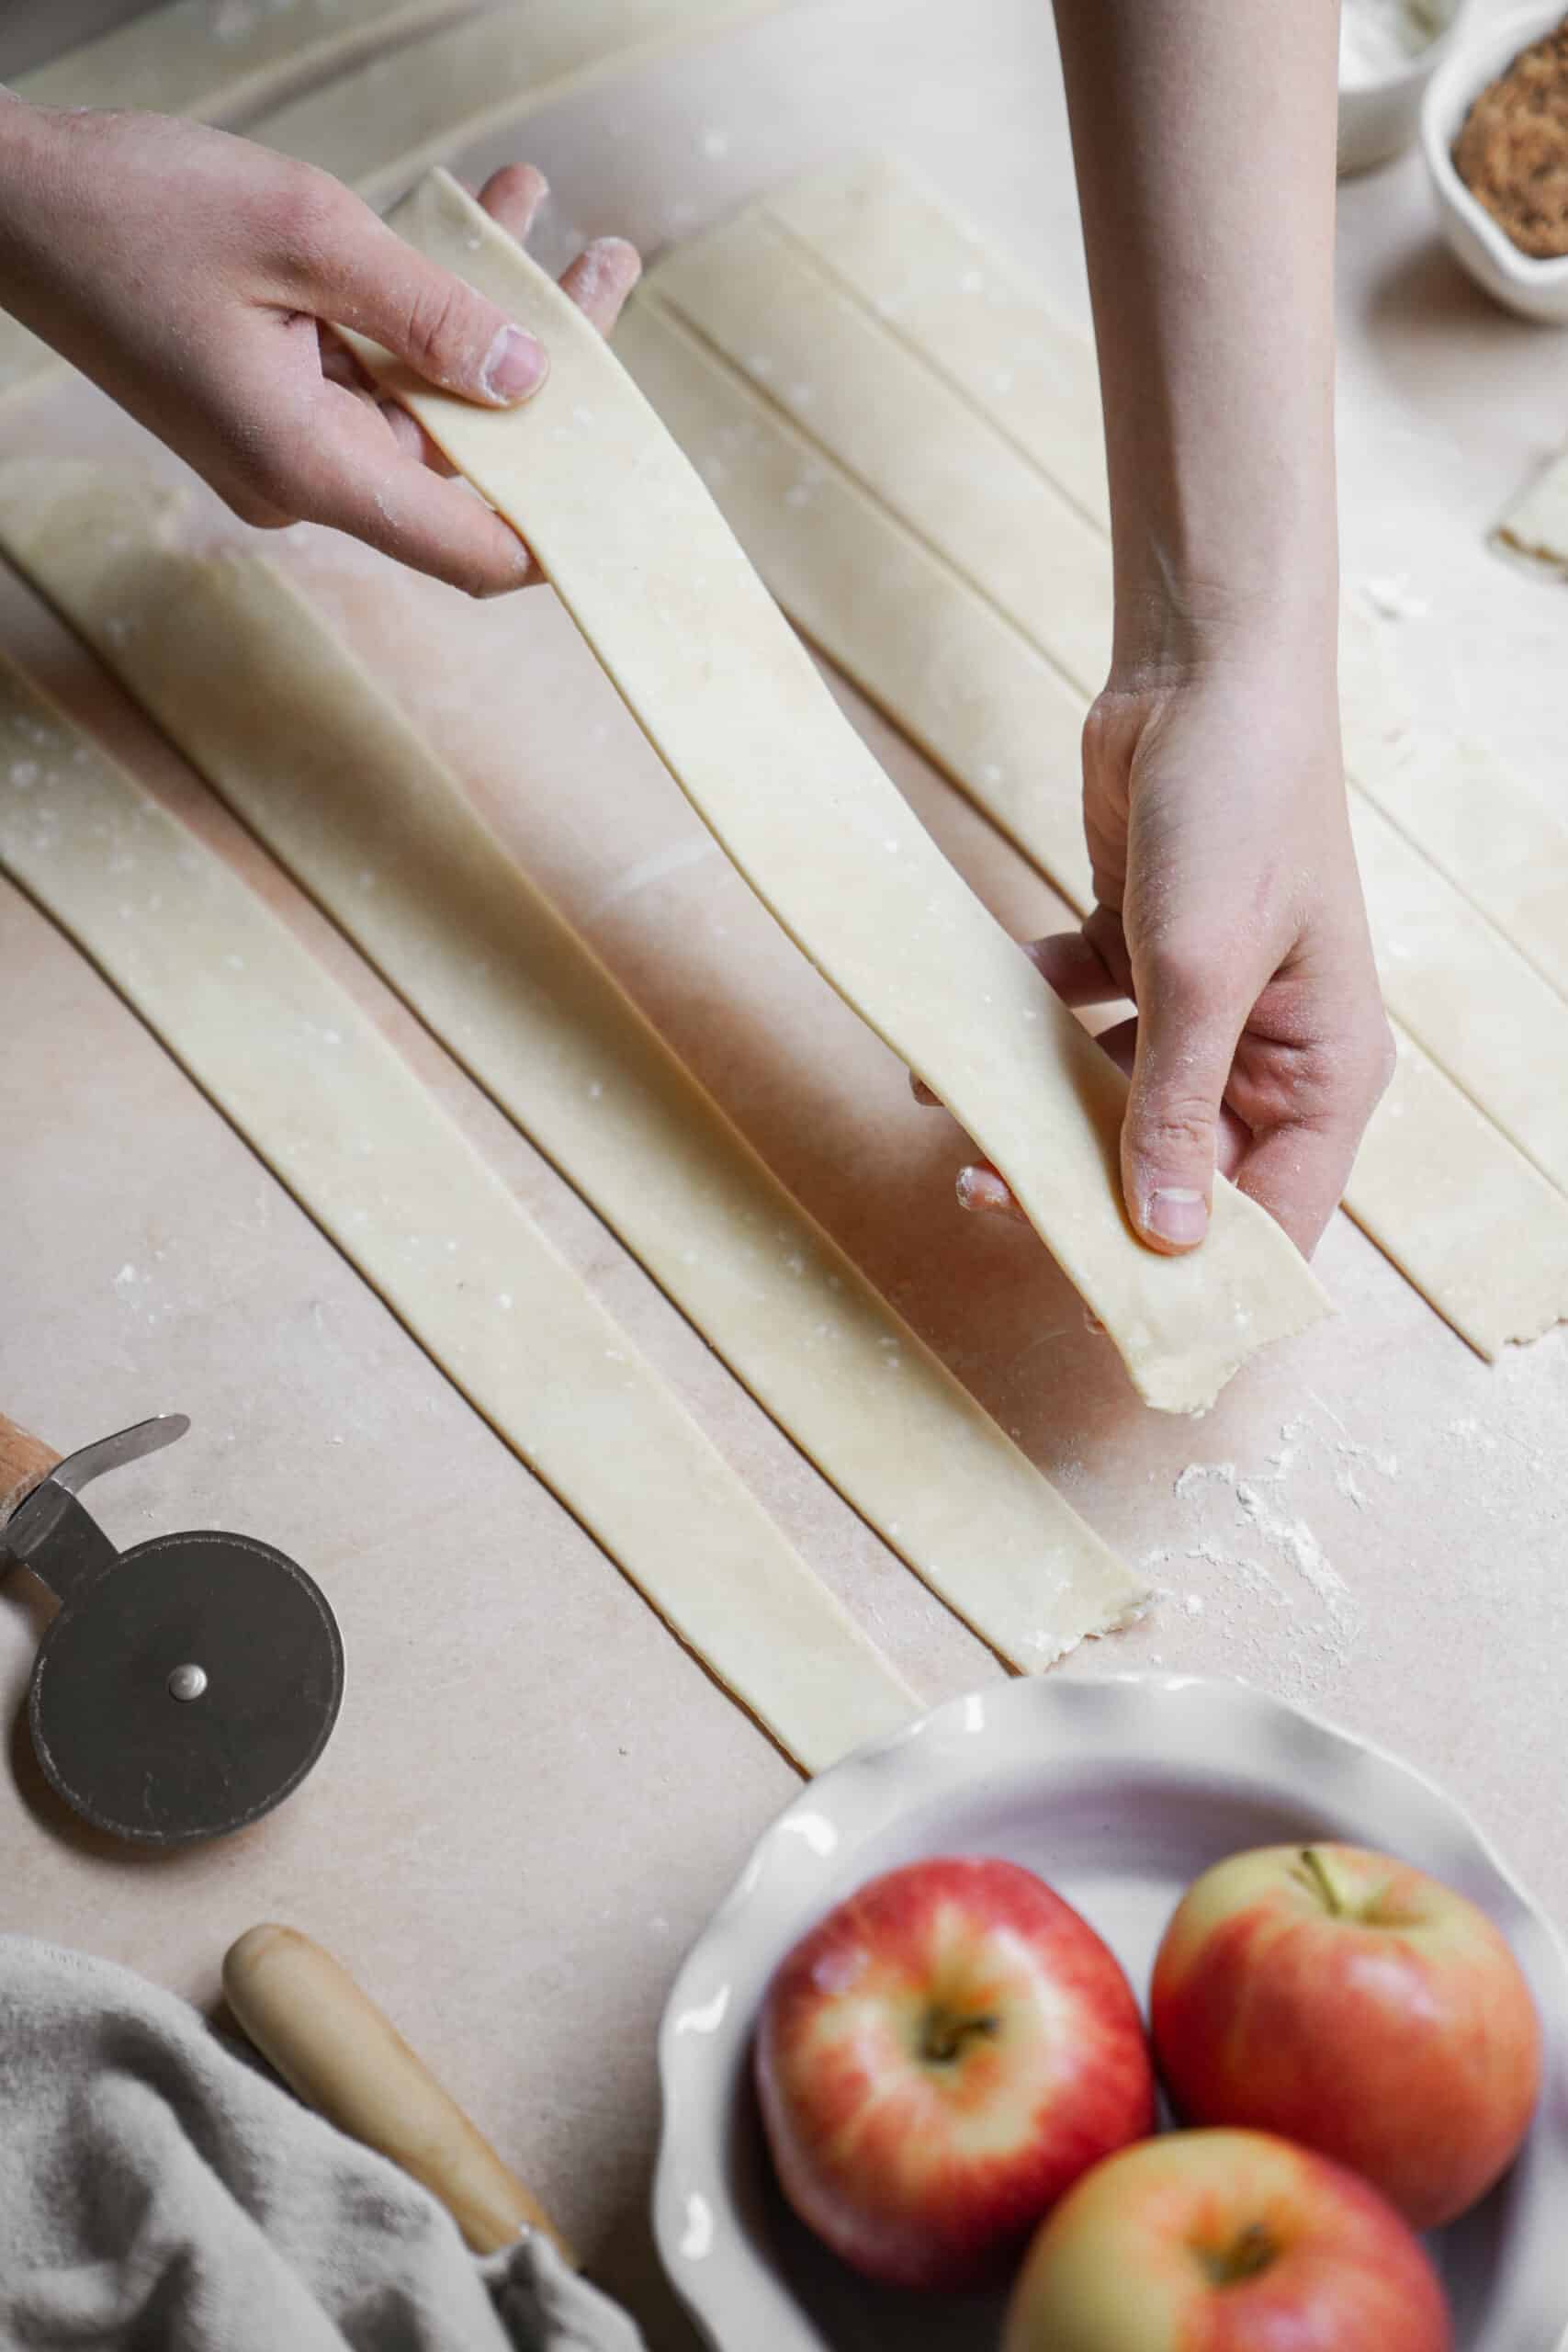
{"points": [[333, 2047]]}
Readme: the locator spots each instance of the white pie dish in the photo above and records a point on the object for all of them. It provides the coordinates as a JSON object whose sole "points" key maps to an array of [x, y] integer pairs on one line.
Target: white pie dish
{"points": [[1119, 1791], [1378, 118], [1536, 290]]}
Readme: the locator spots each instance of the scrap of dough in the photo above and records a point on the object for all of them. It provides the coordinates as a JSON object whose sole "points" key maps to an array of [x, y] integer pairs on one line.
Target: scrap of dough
{"points": [[378, 128], [728, 697], [1536, 525], [341, 1120], [873, 404], [969, 687], [245, 676]]}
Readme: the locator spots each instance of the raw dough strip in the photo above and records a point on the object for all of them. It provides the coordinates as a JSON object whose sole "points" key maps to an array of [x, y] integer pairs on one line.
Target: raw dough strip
{"points": [[868, 403], [213, 60], [966, 306], [730, 700], [245, 677], [341, 1120], [377, 127], [971, 314], [1444, 1194]]}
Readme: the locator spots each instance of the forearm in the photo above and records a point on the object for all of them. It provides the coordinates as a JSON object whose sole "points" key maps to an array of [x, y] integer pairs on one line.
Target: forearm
{"points": [[1203, 132]]}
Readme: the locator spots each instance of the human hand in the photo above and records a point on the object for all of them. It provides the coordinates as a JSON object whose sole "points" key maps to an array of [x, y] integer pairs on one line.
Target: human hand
{"points": [[1230, 913], [196, 277]]}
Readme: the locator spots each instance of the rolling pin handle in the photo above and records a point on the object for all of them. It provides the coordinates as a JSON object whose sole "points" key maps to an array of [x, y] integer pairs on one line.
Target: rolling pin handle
{"points": [[333, 2045]]}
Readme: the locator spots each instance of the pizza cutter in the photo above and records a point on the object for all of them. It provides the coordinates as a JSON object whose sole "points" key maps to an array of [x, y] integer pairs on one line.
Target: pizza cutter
{"points": [[182, 1687]]}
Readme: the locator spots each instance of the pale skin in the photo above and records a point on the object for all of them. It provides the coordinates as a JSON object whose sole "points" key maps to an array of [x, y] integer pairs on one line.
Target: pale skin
{"points": [[198, 277], [1230, 910]]}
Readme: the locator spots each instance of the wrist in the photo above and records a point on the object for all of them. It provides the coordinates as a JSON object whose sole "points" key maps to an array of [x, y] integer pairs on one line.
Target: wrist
{"points": [[1176, 629]]}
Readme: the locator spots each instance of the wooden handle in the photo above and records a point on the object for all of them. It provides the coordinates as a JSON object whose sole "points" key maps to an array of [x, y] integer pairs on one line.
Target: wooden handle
{"points": [[333, 2045], [25, 1463]]}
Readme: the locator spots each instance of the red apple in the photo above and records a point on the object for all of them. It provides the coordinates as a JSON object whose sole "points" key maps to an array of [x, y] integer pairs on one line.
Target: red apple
{"points": [[1225, 2242], [938, 2060], [1357, 2006]]}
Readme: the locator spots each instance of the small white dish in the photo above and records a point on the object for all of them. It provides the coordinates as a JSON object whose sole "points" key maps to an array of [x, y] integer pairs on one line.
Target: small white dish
{"points": [[1119, 1792], [1378, 118], [1536, 290]]}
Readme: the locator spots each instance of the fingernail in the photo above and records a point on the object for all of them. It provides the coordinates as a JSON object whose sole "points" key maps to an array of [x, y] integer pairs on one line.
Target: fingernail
{"points": [[1177, 1214], [514, 366]]}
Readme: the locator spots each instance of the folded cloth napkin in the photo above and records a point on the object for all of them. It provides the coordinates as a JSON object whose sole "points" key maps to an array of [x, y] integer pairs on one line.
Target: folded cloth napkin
{"points": [[155, 2191]]}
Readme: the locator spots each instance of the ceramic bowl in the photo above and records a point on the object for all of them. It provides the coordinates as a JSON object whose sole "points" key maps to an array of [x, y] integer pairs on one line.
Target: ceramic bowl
{"points": [[1380, 119], [1538, 289], [1119, 1791]]}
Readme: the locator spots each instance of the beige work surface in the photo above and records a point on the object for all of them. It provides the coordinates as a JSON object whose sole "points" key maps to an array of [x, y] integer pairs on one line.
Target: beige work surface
{"points": [[535, 1797]]}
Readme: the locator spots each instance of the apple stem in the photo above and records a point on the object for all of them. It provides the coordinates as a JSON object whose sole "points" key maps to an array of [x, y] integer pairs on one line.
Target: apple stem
{"points": [[1244, 2258], [1318, 1872], [946, 2037]]}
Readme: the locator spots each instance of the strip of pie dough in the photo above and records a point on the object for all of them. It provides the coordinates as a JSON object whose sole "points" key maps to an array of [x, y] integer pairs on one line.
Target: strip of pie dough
{"points": [[971, 315], [728, 697], [964, 306], [376, 127], [340, 1118], [247, 679], [215, 59], [869, 401], [971, 689]]}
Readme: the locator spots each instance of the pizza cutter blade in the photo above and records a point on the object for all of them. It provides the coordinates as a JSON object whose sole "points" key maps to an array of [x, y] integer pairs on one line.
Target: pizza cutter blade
{"points": [[185, 1687]]}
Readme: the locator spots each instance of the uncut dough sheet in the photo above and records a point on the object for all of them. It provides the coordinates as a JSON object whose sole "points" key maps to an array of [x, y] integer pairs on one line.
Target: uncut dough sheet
{"points": [[729, 699], [249, 681], [337, 1115], [999, 707]]}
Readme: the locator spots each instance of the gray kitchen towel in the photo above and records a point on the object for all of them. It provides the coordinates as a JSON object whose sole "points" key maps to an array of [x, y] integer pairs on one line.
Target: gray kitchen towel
{"points": [[157, 2194]]}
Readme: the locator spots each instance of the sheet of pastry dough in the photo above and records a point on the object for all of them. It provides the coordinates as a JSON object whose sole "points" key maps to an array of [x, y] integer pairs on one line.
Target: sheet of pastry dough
{"points": [[1536, 525], [248, 680], [968, 686], [730, 700], [340, 1118], [869, 401], [973, 316], [216, 58], [378, 128]]}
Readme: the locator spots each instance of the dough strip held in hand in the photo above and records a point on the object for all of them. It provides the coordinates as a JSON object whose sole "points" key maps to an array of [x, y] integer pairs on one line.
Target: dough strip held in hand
{"points": [[730, 700], [250, 681], [341, 1120]]}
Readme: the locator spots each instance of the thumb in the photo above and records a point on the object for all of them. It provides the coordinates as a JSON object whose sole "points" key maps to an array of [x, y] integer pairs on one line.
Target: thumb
{"points": [[430, 317], [1188, 1028]]}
